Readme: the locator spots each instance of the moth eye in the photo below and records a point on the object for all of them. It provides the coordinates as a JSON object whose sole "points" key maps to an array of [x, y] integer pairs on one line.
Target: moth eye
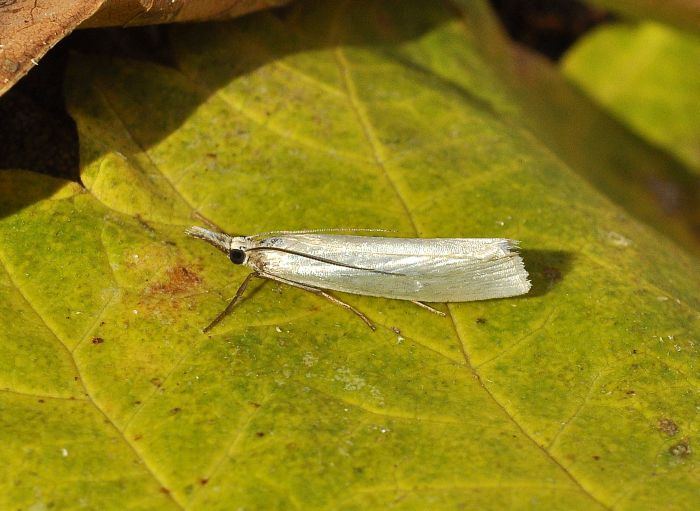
{"points": [[237, 256]]}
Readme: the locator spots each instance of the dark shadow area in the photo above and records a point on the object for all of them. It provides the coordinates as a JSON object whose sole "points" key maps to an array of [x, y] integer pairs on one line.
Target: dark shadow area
{"points": [[546, 268], [36, 132], [36, 138], [549, 27]]}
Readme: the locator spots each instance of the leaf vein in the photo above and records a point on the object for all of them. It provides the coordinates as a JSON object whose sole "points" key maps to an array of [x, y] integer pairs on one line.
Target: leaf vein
{"points": [[89, 397], [512, 419]]}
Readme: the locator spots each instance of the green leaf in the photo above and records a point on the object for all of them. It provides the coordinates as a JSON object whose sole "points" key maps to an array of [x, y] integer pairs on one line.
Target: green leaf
{"points": [[654, 90], [581, 395]]}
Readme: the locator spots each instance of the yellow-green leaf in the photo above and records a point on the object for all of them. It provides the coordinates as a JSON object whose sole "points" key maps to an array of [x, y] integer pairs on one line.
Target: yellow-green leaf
{"points": [[654, 88], [581, 395]]}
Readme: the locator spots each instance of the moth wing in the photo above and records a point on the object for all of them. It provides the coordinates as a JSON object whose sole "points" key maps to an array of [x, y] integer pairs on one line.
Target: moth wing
{"points": [[436, 270]]}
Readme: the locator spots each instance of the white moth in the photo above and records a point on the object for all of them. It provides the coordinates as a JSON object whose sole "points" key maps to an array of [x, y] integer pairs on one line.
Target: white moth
{"points": [[414, 269]]}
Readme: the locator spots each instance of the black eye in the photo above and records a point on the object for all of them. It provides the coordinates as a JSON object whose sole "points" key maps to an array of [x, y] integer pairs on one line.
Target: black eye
{"points": [[237, 256]]}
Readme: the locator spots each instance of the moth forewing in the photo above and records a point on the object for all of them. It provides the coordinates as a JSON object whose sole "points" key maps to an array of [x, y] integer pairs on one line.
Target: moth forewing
{"points": [[415, 269], [432, 270]]}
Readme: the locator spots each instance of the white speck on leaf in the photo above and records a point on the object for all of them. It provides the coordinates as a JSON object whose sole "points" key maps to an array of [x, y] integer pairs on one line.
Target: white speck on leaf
{"points": [[351, 381], [309, 359], [618, 240]]}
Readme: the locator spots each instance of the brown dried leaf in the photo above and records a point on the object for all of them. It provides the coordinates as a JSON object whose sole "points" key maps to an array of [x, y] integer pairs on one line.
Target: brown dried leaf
{"points": [[29, 29], [150, 12]]}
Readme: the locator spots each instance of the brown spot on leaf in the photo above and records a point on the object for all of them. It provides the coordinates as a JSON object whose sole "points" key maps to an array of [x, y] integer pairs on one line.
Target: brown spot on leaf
{"points": [[175, 411], [164, 490], [681, 449], [138, 437], [667, 426], [97, 340], [156, 381], [40, 400], [178, 279], [596, 457], [203, 481], [260, 434], [481, 321]]}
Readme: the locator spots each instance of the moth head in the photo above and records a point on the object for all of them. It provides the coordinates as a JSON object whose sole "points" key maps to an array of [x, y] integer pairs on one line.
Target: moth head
{"points": [[234, 247]]}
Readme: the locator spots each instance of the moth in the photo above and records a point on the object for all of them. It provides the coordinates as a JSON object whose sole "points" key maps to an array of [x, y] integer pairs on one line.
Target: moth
{"points": [[414, 269]]}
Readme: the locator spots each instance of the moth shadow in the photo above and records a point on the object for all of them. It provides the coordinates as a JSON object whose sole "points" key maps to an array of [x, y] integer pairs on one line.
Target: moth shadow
{"points": [[546, 268]]}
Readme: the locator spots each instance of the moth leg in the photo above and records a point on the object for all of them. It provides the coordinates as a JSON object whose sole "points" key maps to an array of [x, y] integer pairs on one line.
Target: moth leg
{"points": [[428, 307], [322, 293], [232, 303]]}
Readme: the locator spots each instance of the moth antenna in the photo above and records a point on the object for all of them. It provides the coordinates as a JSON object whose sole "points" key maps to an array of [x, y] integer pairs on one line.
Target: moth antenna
{"points": [[332, 229]]}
